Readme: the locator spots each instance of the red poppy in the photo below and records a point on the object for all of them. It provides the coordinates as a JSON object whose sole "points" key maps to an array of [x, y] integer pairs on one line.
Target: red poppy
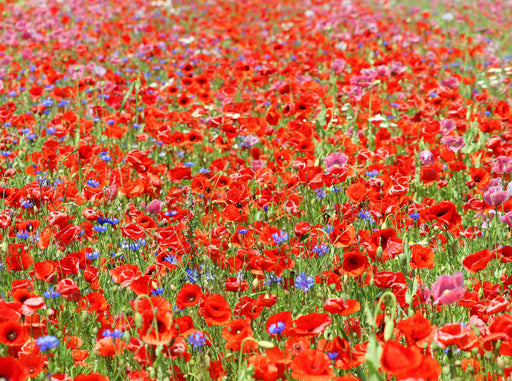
{"points": [[238, 334], [356, 192], [341, 307], [400, 361], [417, 329], [354, 264], [312, 324], [13, 333], [422, 257], [19, 259], [503, 110], [312, 365], [12, 370], [189, 295], [456, 334], [478, 261], [216, 310], [266, 368]]}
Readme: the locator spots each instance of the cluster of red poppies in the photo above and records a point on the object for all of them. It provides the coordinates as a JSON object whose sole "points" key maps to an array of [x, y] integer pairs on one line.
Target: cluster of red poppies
{"points": [[317, 190]]}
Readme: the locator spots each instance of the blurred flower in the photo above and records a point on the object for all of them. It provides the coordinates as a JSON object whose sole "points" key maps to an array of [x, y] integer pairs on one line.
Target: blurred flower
{"points": [[47, 342], [155, 207], [448, 289], [335, 160], [427, 158]]}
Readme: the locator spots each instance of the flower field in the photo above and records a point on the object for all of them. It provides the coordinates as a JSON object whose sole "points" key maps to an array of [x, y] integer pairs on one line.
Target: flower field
{"points": [[237, 190]]}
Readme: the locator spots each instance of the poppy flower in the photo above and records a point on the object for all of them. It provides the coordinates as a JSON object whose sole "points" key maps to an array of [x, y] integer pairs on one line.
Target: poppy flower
{"points": [[456, 334], [503, 110], [238, 332], [266, 368], [312, 365], [477, 261], [354, 264], [216, 310], [12, 370], [399, 361], [422, 257], [189, 295], [13, 333], [417, 329], [342, 307], [312, 324], [448, 289]]}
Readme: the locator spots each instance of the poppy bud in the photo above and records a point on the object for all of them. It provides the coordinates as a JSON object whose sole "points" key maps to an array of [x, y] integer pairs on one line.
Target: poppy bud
{"points": [[388, 330], [379, 252], [138, 320], [500, 363], [266, 344], [127, 336]]}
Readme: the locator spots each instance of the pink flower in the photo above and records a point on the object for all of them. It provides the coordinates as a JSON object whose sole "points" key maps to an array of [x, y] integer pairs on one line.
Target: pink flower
{"points": [[495, 195], [448, 289], [335, 160], [502, 164], [111, 192], [338, 65], [447, 125], [427, 158], [154, 207], [454, 143], [507, 219]]}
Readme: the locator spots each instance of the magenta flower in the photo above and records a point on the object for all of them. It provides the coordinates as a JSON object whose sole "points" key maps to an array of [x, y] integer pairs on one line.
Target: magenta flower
{"points": [[335, 160], [495, 195], [502, 164], [507, 219], [448, 289], [338, 65], [454, 143], [154, 207], [427, 158], [447, 125]]}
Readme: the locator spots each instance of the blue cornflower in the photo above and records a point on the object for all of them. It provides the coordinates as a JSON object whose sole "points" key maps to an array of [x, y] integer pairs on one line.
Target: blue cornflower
{"points": [[47, 342], [27, 204], [93, 183], [171, 259], [5, 153], [105, 156], [372, 173], [192, 275], [189, 164], [280, 237], [329, 229], [204, 170], [304, 282], [366, 216], [158, 291], [321, 249], [51, 293], [116, 333], [320, 194], [92, 256], [414, 215], [101, 228], [271, 278], [242, 231], [276, 328], [23, 234], [332, 355], [197, 340]]}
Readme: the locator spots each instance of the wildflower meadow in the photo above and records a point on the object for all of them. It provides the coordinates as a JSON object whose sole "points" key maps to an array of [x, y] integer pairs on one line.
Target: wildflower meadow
{"points": [[255, 190]]}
